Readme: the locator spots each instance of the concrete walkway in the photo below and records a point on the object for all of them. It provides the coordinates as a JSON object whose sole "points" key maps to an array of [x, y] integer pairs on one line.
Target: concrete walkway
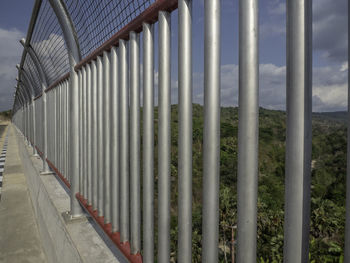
{"points": [[19, 236]]}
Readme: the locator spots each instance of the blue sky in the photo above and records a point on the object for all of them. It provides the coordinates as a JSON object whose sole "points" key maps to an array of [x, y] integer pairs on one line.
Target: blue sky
{"points": [[329, 52]]}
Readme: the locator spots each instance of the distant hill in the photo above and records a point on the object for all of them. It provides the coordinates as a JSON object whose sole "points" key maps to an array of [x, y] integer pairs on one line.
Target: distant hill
{"points": [[340, 116]]}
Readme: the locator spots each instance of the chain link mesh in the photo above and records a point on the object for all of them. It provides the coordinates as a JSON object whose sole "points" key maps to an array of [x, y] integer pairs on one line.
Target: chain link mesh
{"points": [[33, 73], [97, 21], [48, 43]]}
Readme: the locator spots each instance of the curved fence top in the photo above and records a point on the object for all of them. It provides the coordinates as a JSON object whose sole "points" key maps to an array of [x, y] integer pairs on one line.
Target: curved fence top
{"points": [[95, 23]]}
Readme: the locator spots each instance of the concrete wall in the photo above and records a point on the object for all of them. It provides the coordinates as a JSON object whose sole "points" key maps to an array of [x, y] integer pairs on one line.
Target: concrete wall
{"points": [[80, 241]]}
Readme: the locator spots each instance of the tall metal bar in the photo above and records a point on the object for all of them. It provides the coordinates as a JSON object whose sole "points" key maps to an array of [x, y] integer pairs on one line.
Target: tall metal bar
{"points": [[94, 135], [106, 137], [148, 144], [64, 125], [44, 85], [135, 195], [211, 139], [100, 136], [85, 116], [124, 141], [347, 206], [248, 130], [68, 139], [74, 56], [83, 132], [55, 125], [80, 95], [89, 131], [115, 139], [298, 134], [185, 132], [164, 131], [59, 143]]}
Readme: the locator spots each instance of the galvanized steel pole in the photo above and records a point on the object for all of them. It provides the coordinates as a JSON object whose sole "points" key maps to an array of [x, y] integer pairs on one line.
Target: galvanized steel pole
{"points": [[106, 137], [44, 85], [89, 128], [124, 141], [100, 136], [94, 135], [298, 134], [74, 57], [148, 144], [164, 131], [185, 132], [135, 150], [248, 131], [211, 139], [115, 139]]}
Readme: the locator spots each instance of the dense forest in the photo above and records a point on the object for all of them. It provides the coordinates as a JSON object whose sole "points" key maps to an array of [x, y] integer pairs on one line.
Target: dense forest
{"points": [[328, 184]]}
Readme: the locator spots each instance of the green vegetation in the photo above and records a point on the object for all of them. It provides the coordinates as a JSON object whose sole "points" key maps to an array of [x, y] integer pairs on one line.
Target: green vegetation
{"points": [[5, 115], [328, 184]]}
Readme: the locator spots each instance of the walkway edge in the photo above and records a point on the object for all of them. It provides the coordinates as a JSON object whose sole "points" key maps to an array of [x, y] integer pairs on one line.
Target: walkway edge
{"points": [[71, 243]]}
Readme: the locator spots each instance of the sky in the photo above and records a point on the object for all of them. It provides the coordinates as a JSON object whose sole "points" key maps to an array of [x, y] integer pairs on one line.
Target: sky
{"points": [[329, 52]]}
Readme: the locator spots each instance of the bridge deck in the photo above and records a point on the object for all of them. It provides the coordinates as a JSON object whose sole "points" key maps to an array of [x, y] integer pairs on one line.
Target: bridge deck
{"points": [[19, 236]]}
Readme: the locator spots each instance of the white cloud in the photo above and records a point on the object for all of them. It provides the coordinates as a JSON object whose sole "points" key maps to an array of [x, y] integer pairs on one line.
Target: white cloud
{"points": [[330, 29], [329, 87], [10, 55]]}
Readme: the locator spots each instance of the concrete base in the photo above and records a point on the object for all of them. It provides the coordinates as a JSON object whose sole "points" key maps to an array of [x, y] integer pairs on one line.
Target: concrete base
{"points": [[69, 219], [46, 173], [63, 243]]}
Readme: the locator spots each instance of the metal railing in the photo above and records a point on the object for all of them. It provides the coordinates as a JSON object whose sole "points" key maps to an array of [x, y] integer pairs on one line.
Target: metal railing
{"points": [[86, 124]]}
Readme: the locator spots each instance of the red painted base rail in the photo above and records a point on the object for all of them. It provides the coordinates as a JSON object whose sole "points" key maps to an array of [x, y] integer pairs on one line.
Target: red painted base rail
{"points": [[64, 180], [107, 228]]}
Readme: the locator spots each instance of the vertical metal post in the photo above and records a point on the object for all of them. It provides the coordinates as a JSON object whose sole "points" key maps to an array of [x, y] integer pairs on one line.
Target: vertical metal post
{"points": [[148, 144], [57, 124], [59, 117], [298, 134], [164, 145], [44, 98], [80, 96], [74, 55], [248, 130], [54, 109], [64, 127], [89, 131], [43, 80], [135, 198], [211, 139], [124, 141], [347, 218], [115, 139], [185, 132], [94, 135], [100, 136], [68, 140], [106, 137], [34, 129], [84, 132]]}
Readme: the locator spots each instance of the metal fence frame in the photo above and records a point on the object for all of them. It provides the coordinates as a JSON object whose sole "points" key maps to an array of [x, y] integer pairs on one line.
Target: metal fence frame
{"points": [[86, 146]]}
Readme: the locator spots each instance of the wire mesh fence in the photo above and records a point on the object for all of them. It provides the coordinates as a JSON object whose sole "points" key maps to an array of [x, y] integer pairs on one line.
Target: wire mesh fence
{"points": [[33, 73], [49, 45], [96, 21]]}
